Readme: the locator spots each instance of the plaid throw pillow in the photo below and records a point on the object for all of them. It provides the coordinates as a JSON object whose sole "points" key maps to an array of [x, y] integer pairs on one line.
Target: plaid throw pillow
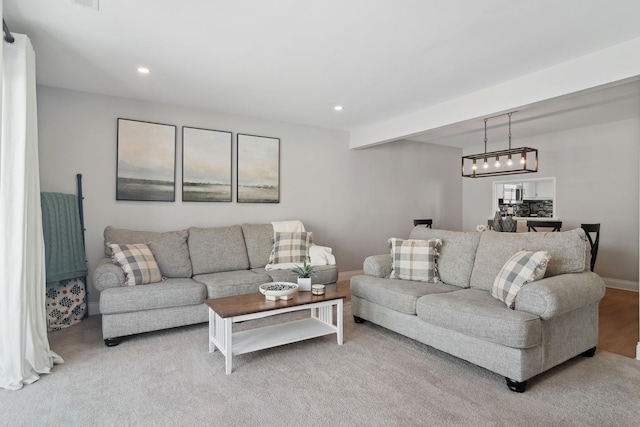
{"points": [[414, 259], [138, 263], [522, 268], [290, 247]]}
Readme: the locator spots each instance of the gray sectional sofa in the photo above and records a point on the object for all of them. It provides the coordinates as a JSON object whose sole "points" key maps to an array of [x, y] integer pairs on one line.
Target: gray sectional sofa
{"points": [[197, 264], [554, 319]]}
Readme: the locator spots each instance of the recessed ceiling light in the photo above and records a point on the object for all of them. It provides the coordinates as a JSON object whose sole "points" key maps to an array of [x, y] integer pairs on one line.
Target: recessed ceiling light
{"points": [[338, 108], [143, 70]]}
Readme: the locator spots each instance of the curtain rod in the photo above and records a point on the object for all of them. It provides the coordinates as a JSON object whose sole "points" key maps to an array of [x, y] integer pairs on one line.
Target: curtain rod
{"points": [[7, 34]]}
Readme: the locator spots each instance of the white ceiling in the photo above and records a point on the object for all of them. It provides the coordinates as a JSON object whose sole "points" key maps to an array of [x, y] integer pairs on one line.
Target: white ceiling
{"points": [[293, 60]]}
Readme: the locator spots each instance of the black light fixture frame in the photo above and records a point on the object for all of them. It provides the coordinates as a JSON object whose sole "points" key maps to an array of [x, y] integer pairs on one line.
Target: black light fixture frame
{"points": [[484, 157], [523, 151]]}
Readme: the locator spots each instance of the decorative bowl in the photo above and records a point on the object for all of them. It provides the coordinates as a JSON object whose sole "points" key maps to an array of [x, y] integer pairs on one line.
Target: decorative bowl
{"points": [[274, 291]]}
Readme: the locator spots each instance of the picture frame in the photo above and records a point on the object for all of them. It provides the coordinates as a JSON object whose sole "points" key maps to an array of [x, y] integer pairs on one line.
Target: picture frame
{"points": [[146, 159], [258, 169], [206, 165]]}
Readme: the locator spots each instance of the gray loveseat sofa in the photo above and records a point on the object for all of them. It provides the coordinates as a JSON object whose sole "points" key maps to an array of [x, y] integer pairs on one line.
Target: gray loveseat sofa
{"points": [[197, 264], [554, 319]]}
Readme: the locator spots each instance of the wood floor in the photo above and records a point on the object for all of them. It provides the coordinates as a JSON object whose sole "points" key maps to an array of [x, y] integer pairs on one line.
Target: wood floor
{"points": [[618, 323]]}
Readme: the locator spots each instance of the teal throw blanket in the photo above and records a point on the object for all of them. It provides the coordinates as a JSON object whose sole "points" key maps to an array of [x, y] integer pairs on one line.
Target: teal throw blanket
{"points": [[63, 246]]}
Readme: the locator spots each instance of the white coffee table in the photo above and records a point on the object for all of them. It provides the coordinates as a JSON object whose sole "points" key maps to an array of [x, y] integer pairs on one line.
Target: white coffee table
{"points": [[223, 312]]}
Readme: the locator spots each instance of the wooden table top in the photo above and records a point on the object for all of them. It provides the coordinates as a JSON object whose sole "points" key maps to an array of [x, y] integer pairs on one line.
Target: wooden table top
{"points": [[239, 305]]}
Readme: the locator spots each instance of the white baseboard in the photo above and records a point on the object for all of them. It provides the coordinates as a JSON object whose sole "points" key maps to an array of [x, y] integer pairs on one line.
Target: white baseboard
{"points": [[625, 285], [347, 275], [638, 351], [94, 308]]}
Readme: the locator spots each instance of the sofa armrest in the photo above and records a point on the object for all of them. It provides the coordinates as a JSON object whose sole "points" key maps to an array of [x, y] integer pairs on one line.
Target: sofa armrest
{"points": [[553, 296], [378, 265], [107, 275]]}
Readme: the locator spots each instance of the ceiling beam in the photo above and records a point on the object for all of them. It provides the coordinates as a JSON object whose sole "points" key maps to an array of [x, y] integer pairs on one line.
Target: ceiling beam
{"points": [[605, 66]]}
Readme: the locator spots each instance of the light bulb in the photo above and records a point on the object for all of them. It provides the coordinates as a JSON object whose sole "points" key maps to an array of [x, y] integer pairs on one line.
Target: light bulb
{"points": [[485, 165], [474, 167], [509, 161], [523, 160], [497, 164]]}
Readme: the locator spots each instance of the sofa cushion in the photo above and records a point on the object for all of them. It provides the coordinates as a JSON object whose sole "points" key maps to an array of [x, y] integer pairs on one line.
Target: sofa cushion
{"points": [[172, 254], [290, 247], [170, 293], [259, 241], [456, 255], [169, 249], [476, 313], [228, 283], [217, 249], [522, 268], [414, 259], [398, 295], [566, 248], [137, 262], [324, 275]]}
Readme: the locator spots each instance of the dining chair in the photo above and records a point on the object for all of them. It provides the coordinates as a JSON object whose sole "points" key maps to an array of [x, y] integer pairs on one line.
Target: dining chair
{"points": [[594, 242], [427, 222], [554, 225]]}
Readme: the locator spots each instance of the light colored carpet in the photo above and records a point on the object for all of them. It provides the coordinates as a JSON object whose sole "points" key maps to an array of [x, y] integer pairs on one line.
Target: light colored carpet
{"points": [[376, 378]]}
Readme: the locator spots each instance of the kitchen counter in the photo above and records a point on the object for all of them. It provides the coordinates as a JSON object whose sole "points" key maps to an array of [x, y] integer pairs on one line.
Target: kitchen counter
{"points": [[535, 218], [532, 218]]}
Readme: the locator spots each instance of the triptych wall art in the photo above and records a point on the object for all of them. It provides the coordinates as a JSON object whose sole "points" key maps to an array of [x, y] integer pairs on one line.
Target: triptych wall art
{"points": [[147, 164]]}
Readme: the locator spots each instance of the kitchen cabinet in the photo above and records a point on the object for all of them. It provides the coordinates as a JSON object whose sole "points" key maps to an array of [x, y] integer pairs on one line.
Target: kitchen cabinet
{"points": [[544, 190], [538, 190], [529, 189]]}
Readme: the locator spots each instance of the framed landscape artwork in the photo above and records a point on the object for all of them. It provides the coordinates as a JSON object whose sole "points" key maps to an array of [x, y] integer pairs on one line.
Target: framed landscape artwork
{"points": [[206, 165], [146, 161], [258, 173]]}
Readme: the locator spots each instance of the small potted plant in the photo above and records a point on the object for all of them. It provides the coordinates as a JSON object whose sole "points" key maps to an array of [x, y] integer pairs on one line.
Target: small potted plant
{"points": [[305, 272]]}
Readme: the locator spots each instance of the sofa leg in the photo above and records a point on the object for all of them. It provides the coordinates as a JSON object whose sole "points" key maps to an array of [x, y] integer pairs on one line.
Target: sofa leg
{"points": [[589, 353], [517, 386], [358, 319], [112, 342]]}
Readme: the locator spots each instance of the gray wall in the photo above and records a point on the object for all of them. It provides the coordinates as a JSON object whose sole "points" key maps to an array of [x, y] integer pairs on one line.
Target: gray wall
{"points": [[353, 200], [596, 170]]}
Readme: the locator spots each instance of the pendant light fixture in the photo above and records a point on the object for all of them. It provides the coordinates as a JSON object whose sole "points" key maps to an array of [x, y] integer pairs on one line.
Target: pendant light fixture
{"points": [[528, 158]]}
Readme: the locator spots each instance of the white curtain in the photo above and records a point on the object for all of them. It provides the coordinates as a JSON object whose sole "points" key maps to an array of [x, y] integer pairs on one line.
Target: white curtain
{"points": [[24, 347]]}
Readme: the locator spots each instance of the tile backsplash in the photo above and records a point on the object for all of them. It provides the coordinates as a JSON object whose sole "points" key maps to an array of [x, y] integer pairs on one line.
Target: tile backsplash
{"points": [[540, 208]]}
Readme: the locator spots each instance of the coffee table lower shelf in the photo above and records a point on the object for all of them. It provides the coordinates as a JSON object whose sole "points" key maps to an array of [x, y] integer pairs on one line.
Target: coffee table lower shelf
{"points": [[275, 335], [222, 337]]}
